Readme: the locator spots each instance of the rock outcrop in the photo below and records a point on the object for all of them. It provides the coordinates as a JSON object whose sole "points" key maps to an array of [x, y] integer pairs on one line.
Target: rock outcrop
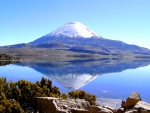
{"points": [[133, 104], [55, 105], [4, 57], [132, 100]]}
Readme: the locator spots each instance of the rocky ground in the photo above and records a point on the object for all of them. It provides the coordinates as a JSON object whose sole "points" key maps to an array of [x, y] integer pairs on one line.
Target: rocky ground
{"points": [[5, 57], [133, 104]]}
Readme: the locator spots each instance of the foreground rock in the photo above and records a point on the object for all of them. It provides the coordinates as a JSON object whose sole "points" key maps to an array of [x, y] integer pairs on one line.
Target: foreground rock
{"points": [[133, 104], [55, 105], [132, 100], [142, 106], [4, 57]]}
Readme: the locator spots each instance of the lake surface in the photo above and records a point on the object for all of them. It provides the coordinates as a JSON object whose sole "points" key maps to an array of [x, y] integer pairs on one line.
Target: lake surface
{"points": [[106, 78]]}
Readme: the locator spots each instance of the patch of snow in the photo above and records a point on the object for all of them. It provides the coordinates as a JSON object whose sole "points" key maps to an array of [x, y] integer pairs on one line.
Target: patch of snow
{"points": [[74, 29]]}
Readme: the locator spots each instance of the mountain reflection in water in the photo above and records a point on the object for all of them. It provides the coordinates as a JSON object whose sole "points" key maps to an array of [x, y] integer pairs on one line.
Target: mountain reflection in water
{"points": [[75, 74]]}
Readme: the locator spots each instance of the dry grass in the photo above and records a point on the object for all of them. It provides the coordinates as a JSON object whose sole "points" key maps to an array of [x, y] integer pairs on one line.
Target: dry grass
{"points": [[38, 54]]}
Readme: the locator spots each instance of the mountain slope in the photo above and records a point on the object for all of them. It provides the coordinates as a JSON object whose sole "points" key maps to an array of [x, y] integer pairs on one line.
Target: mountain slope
{"points": [[69, 30], [76, 37]]}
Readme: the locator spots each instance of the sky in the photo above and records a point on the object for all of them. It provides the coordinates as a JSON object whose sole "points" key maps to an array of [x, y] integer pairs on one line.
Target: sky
{"points": [[23, 21]]}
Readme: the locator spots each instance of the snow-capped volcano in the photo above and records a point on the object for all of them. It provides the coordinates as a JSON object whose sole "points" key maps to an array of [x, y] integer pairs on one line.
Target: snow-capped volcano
{"points": [[74, 29], [76, 37]]}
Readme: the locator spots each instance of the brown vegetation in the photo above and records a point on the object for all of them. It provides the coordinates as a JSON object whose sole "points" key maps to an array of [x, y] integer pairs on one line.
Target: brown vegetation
{"points": [[5, 57]]}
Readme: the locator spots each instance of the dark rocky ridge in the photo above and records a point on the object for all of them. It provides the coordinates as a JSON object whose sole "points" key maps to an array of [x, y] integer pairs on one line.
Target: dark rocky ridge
{"points": [[100, 46], [105, 45]]}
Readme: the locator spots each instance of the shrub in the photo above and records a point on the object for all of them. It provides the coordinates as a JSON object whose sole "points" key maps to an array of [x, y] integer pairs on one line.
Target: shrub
{"points": [[8, 105], [83, 95], [63, 96], [26, 93]]}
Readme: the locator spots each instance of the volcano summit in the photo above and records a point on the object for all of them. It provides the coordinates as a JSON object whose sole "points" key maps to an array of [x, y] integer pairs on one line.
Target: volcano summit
{"points": [[74, 29], [69, 30]]}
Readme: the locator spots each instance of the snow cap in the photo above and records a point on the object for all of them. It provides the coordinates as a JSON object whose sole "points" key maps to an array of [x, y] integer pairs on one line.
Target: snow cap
{"points": [[74, 29]]}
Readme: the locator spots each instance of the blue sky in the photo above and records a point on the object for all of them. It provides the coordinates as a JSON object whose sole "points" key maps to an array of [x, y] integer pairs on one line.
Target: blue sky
{"points": [[22, 21]]}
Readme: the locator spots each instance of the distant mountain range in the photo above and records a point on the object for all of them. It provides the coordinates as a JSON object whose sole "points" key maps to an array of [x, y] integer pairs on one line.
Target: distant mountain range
{"points": [[75, 37]]}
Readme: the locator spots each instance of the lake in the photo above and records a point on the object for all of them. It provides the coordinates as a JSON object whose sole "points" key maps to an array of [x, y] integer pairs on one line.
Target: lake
{"points": [[106, 78]]}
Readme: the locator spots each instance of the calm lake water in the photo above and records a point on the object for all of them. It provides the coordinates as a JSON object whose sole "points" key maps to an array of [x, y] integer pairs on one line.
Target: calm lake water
{"points": [[106, 78]]}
